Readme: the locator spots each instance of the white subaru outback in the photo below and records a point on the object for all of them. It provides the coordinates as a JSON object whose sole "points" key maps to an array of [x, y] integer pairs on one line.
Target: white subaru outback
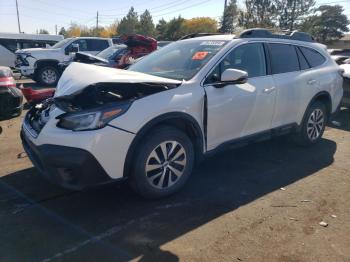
{"points": [[152, 122]]}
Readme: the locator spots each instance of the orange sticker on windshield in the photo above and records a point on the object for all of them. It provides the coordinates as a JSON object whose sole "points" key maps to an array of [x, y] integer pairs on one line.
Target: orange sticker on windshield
{"points": [[199, 55]]}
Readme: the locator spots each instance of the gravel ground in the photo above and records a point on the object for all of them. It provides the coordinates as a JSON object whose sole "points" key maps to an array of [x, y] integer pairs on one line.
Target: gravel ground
{"points": [[263, 202]]}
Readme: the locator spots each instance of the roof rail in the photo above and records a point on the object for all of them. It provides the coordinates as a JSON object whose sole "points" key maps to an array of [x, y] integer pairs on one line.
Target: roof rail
{"points": [[264, 33], [198, 35]]}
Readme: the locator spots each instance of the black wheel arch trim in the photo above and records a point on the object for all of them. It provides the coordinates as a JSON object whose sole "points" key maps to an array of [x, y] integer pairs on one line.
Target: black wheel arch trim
{"points": [[158, 121], [315, 97], [42, 62]]}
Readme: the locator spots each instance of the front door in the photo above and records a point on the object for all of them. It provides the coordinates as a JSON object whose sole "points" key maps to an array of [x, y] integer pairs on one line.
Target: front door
{"points": [[240, 110]]}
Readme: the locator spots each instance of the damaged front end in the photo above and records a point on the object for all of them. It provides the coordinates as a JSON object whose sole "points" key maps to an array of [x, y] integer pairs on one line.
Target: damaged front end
{"points": [[88, 104], [96, 105]]}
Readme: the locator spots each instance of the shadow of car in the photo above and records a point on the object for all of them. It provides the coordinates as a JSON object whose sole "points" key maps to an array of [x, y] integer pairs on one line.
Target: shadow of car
{"points": [[129, 226]]}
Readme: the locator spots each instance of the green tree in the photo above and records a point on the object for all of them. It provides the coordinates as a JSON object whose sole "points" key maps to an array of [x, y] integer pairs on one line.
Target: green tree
{"points": [[289, 12], [63, 32], [328, 23], [229, 18], [44, 32], [175, 29], [161, 29], [146, 25], [258, 13], [130, 23]]}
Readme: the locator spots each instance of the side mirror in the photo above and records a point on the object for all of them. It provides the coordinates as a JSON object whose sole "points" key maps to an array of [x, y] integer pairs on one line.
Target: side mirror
{"points": [[74, 48], [234, 76]]}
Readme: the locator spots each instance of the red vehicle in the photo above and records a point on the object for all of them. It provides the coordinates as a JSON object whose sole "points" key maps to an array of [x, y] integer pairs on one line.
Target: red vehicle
{"points": [[34, 96], [138, 46], [10, 96]]}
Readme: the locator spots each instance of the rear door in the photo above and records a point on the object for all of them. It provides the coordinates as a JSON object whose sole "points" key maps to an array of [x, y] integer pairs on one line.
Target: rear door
{"points": [[291, 82], [236, 111]]}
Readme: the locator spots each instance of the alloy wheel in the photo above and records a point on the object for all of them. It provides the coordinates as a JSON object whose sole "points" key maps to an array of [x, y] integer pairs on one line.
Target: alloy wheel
{"points": [[49, 76], [166, 164], [315, 124]]}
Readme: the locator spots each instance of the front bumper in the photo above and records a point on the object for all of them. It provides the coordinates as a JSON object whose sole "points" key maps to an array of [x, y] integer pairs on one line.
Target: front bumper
{"points": [[70, 167]]}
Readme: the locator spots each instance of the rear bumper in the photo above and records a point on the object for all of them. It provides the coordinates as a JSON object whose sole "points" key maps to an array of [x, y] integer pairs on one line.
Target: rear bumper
{"points": [[10, 102], [70, 167]]}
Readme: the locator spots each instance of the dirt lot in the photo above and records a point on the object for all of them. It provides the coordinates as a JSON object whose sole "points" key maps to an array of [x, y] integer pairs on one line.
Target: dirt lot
{"points": [[263, 202]]}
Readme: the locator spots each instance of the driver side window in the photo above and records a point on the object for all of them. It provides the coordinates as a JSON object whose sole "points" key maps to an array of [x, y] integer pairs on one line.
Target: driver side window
{"points": [[247, 57], [82, 45]]}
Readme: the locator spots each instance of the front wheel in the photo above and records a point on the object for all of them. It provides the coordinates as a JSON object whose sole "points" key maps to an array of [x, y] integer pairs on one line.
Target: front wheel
{"points": [[48, 75], [163, 163], [313, 125]]}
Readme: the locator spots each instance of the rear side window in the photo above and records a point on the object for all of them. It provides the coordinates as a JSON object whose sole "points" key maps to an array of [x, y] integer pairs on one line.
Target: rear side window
{"points": [[97, 45], [284, 58], [9, 44], [302, 61], [313, 57]]}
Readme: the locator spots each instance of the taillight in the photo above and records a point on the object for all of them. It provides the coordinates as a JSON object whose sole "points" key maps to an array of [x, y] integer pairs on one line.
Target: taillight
{"points": [[7, 82]]}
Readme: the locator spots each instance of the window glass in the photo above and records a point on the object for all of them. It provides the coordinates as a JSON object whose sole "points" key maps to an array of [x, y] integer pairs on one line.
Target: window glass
{"points": [[9, 44], [97, 45], [179, 60], [248, 57], [283, 58], [302, 61], [82, 45], [313, 57]]}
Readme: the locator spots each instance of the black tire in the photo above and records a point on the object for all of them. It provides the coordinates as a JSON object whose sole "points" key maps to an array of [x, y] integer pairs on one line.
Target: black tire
{"points": [[309, 133], [48, 75], [165, 173]]}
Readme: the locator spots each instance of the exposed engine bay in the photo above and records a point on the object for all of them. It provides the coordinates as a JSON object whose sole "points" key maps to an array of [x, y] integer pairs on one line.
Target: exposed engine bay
{"points": [[101, 94]]}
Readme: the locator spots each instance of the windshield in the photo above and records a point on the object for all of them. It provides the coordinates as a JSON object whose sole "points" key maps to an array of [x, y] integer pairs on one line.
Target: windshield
{"points": [[109, 52], [61, 43], [179, 60]]}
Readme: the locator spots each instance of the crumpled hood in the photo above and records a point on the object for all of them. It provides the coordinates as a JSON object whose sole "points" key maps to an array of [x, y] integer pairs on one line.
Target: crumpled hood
{"points": [[78, 76], [82, 57]]}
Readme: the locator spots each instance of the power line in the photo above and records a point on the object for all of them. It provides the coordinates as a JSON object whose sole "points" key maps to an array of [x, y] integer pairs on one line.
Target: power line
{"points": [[197, 4], [169, 5]]}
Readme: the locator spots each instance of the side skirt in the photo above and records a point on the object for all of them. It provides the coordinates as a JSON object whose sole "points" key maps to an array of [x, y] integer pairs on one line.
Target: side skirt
{"points": [[261, 136]]}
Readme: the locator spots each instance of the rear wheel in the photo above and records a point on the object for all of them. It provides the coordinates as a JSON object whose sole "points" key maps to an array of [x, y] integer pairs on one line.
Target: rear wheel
{"points": [[313, 125], [162, 163], [48, 75]]}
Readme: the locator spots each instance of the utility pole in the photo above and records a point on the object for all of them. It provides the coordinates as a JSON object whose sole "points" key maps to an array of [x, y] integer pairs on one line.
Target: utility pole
{"points": [[224, 16], [56, 29], [97, 24], [19, 24]]}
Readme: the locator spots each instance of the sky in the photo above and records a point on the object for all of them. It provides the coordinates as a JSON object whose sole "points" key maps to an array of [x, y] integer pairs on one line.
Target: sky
{"points": [[46, 14]]}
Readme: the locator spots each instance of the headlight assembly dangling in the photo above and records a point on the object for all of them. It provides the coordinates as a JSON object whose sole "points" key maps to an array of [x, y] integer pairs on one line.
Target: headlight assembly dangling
{"points": [[90, 120]]}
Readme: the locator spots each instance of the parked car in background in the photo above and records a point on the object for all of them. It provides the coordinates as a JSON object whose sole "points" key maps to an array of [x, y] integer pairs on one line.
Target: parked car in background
{"points": [[41, 64], [132, 47], [152, 122], [11, 42], [339, 52], [10, 96], [346, 84], [161, 44], [108, 57], [340, 59]]}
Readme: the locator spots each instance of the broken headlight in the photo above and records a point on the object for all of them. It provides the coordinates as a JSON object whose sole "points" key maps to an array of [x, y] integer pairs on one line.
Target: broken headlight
{"points": [[90, 119]]}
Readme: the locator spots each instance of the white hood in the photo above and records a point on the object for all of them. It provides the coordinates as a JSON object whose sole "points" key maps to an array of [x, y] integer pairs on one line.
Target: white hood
{"points": [[78, 76], [346, 68]]}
